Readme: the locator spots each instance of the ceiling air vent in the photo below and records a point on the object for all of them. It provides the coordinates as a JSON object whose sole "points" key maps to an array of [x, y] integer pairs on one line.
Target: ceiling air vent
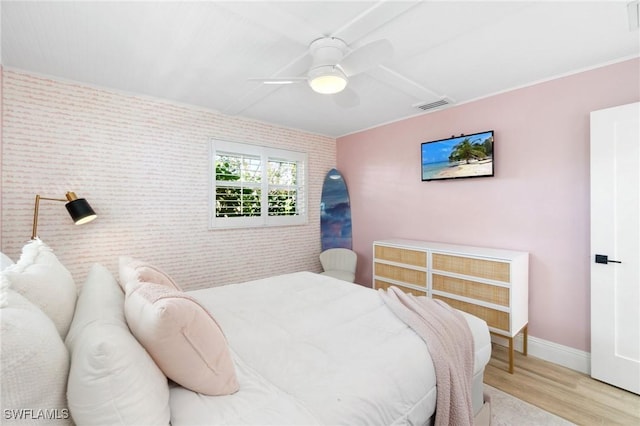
{"points": [[433, 105]]}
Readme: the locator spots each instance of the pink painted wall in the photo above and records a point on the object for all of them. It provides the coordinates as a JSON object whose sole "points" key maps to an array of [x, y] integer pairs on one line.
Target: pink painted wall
{"points": [[538, 200]]}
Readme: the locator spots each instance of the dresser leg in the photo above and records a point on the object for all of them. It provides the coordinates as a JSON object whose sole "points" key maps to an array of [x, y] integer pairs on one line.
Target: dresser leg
{"points": [[511, 355], [525, 341]]}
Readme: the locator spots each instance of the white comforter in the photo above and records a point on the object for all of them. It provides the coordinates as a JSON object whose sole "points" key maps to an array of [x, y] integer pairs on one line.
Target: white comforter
{"points": [[310, 349]]}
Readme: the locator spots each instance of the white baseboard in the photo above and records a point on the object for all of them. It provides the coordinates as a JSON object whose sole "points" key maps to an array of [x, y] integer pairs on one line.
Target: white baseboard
{"points": [[552, 352]]}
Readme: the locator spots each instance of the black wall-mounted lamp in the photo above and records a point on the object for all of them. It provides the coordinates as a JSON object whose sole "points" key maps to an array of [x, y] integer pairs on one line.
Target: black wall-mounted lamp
{"points": [[78, 208]]}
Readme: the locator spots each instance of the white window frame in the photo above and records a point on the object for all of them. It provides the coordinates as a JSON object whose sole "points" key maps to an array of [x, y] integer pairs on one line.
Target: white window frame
{"points": [[265, 153]]}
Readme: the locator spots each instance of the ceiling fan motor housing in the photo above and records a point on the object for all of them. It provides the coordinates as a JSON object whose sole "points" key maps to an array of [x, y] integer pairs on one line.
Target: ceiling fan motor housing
{"points": [[325, 76], [327, 51]]}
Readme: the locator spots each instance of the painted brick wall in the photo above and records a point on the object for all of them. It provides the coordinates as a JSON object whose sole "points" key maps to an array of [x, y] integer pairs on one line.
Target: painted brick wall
{"points": [[143, 165]]}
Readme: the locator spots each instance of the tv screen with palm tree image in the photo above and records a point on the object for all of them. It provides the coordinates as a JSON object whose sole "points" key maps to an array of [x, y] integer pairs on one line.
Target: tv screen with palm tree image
{"points": [[463, 156]]}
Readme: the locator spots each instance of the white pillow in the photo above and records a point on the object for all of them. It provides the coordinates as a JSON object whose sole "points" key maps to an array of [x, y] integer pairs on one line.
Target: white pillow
{"points": [[100, 299], [5, 261], [44, 281], [34, 364], [113, 380], [4, 288]]}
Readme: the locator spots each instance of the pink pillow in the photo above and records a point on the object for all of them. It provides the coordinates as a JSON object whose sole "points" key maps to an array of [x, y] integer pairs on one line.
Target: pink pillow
{"points": [[182, 338], [133, 272]]}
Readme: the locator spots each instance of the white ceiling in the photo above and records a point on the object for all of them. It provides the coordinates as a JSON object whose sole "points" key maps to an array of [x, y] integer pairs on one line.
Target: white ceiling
{"points": [[203, 53]]}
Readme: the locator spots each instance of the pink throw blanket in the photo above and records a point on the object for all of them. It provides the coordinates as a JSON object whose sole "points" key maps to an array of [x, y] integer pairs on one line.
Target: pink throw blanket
{"points": [[450, 343]]}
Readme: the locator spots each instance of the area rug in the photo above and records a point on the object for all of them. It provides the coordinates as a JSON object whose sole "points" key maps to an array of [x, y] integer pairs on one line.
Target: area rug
{"points": [[507, 410]]}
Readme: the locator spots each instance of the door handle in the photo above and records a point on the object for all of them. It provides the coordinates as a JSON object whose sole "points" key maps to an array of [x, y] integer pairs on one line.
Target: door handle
{"points": [[604, 259]]}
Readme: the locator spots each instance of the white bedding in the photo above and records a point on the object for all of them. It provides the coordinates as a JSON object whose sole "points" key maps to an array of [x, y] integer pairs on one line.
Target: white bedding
{"points": [[310, 349]]}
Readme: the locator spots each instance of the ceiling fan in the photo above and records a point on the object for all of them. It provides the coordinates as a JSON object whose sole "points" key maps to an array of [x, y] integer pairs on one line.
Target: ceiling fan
{"points": [[332, 64]]}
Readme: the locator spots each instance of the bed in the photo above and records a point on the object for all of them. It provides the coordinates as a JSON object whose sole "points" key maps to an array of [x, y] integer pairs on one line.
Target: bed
{"points": [[306, 349]]}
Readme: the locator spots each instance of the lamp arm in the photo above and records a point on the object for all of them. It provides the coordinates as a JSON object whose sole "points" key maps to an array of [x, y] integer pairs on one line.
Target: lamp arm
{"points": [[52, 199], [34, 230]]}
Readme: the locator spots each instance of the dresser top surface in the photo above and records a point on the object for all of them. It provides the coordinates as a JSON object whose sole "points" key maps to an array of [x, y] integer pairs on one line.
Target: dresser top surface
{"points": [[452, 248]]}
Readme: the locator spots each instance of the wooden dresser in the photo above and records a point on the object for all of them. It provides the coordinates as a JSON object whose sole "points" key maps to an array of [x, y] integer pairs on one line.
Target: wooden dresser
{"points": [[491, 284]]}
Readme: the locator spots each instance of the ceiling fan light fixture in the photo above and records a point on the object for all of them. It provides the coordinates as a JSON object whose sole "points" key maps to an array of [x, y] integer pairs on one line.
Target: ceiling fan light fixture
{"points": [[327, 80]]}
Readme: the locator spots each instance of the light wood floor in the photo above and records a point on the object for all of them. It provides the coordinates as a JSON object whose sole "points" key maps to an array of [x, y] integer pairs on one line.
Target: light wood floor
{"points": [[566, 393]]}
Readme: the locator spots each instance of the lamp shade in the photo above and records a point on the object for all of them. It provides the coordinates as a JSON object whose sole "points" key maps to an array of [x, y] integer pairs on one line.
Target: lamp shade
{"points": [[79, 209]]}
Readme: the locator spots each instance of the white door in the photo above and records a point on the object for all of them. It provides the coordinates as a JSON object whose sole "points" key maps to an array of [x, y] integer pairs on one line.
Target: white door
{"points": [[615, 237]]}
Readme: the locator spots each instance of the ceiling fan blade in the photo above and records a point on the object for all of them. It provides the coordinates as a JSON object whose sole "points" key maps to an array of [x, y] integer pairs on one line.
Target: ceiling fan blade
{"points": [[283, 80], [366, 57], [297, 67], [347, 98]]}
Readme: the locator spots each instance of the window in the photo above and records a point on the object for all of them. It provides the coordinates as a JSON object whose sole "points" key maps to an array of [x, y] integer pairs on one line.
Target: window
{"points": [[256, 186]]}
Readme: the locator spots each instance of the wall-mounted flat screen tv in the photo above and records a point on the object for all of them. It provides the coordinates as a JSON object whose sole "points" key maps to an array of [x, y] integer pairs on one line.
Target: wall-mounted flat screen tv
{"points": [[463, 156]]}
